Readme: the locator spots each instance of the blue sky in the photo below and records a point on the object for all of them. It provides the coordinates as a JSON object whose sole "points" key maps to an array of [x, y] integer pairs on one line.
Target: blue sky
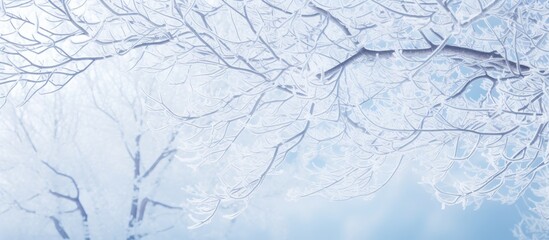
{"points": [[402, 210]]}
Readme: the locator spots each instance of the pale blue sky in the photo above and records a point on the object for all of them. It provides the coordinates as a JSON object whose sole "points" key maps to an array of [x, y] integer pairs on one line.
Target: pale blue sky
{"points": [[402, 210]]}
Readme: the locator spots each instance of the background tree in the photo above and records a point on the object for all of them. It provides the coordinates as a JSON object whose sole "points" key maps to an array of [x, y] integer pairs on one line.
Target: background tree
{"points": [[32, 180], [348, 89], [150, 150], [87, 158]]}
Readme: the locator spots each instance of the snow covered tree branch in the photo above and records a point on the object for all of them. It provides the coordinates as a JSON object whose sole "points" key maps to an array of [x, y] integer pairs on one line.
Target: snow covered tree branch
{"points": [[347, 90]]}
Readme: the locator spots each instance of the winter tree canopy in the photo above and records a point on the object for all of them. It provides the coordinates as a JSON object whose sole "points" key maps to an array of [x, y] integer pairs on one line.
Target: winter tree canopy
{"points": [[337, 95]]}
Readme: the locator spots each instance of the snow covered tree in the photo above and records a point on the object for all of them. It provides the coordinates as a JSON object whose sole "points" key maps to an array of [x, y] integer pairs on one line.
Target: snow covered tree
{"points": [[88, 158], [346, 89]]}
